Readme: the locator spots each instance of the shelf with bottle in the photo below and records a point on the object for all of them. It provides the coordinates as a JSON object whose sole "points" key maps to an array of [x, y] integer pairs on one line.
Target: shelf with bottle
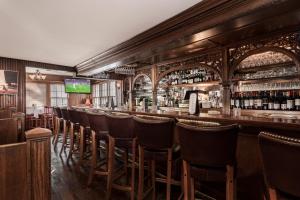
{"points": [[189, 77], [286, 100]]}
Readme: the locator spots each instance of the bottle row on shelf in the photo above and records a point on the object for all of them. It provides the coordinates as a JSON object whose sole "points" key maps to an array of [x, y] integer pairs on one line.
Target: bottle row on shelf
{"points": [[190, 77], [267, 100]]}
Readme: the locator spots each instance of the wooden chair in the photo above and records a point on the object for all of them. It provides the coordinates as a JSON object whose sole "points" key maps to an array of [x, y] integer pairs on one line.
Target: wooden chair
{"points": [[281, 161], [120, 135], [208, 150], [99, 129], [155, 137]]}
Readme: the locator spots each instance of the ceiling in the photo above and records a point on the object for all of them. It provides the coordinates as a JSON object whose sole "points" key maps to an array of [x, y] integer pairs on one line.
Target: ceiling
{"points": [[67, 32]]}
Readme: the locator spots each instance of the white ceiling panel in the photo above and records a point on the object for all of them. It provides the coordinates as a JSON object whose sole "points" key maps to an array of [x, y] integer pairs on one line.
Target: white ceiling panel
{"points": [[67, 32]]}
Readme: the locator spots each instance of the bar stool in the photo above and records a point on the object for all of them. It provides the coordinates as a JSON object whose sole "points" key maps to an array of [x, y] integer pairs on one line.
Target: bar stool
{"points": [[74, 132], [281, 161], [208, 150], [99, 131], [84, 136], [66, 125], [57, 125], [156, 140], [121, 135]]}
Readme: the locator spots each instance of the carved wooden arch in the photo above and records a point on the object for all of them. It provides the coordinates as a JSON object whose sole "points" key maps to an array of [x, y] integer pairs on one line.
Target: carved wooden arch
{"points": [[185, 67], [138, 76], [290, 54]]}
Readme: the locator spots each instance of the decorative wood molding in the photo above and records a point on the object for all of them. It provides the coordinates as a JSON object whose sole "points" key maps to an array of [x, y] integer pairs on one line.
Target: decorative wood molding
{"points": [[287, 44]]}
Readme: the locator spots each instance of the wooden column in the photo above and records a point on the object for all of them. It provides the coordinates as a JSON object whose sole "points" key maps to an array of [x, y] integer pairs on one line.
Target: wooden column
{"points": [[225, 82], [38, 163], [130, 93], [154, 89]]}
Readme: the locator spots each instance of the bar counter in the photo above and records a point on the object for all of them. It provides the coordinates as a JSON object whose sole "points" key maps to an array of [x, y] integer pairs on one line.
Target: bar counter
{"points": [[264, 123]]}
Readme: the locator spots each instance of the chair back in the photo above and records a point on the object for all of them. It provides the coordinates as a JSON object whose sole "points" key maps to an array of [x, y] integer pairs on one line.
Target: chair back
{"points": [[58, 112], [8, 131], [84, 119], [154, 133], [208, 146], [74, 116], [98, 122], [120, 126], [65, 114], [281, 161]]}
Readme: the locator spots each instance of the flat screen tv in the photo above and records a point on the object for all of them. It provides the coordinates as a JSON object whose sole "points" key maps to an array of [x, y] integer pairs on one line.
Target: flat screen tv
{"points": [[81, 86], [8, 82]]}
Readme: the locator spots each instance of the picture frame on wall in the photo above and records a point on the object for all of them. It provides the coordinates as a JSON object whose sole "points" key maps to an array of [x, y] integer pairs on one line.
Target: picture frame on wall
{"points": [[8, 82]]}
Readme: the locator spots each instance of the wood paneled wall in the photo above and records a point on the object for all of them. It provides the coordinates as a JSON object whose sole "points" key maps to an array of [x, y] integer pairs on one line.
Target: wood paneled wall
{"points": [[18, 100]]}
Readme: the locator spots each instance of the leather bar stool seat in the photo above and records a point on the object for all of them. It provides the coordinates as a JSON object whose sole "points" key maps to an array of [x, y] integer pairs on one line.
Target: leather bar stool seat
{"points": [[207, 152], [121, 136], [155, 136], [99, 131], [281, 161]]}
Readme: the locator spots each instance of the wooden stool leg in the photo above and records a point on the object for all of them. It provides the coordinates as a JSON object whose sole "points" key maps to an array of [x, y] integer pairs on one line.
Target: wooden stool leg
{"points": [[186, 181], [273, 194], [229, 183], [94, 158], [153, 179], [141, 173], [169, 174], [81, 145], [64, 137], [57, 132], [192, 189], [54, 130], [71, 142], [133, 169], [111, 157]]}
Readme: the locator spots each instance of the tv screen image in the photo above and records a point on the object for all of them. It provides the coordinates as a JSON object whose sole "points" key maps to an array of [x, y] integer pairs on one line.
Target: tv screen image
{"points": [[82, 86], [8, 82]]}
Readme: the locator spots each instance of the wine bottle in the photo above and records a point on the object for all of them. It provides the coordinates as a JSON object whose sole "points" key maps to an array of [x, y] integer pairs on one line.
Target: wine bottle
{"points": [[237, 101], [276, 101], [297, 101], [290, 103], [265, 100], [232, 100], [251, 101], [271, 101], [246, 101], [259, 101], [283, 104]]}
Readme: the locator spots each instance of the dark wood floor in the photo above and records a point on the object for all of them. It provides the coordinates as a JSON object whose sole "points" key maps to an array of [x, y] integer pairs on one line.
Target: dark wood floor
{"points": [[69, 182]]}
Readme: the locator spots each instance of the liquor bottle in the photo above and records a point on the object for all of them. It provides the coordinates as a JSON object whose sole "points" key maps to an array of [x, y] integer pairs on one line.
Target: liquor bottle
{"points": [[297, 101], [290, 103], [283, 104], [246, 101], [237, 101], [258, 101], [232, 100], [276, 101], [271, 101], [265, 100], [251, 101], [242, 102]]}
